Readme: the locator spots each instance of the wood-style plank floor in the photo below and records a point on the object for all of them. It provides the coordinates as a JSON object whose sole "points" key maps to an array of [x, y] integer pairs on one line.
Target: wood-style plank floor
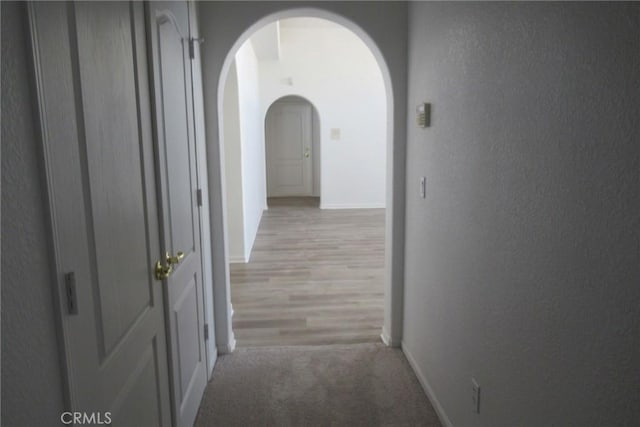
{"points": [[315, 277]]}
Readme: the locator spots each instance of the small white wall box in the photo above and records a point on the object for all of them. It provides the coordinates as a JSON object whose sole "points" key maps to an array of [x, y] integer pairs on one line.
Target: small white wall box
{"points": [[423, 115]]}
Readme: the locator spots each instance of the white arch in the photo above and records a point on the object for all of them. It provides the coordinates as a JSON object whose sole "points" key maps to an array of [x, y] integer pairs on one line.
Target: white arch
{"points": [[289, 95], [321, 14], [392, 306]]}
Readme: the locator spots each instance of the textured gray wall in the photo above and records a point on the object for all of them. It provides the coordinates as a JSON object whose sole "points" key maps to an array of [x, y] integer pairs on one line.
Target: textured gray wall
{"points": [[522, 265], [31, 382]]}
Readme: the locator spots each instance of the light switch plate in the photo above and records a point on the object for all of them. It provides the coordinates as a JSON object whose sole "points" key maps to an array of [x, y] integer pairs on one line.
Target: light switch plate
{"points": [[423, 115]]}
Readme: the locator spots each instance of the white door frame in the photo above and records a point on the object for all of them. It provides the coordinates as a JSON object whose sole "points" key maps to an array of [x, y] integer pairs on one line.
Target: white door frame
{"points": [[395, 177]]}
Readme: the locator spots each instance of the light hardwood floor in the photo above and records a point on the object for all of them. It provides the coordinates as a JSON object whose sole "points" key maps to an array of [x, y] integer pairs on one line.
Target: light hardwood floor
{"points": [[315, 277]]}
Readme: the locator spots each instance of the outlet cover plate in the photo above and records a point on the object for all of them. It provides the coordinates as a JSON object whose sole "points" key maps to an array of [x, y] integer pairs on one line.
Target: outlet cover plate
{"points": [[475, 397]]}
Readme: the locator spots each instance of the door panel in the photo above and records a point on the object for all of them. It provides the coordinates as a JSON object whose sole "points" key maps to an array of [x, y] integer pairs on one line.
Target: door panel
{"points": [[187, 328], [138, 405], [91, 63], [177, 148], [288, 140], [289, 126], [114, 166], [178, 185], [287, 174]]}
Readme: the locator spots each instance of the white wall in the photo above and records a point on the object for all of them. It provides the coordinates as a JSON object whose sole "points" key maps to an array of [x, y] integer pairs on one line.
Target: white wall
{"points": [[233, 168], [32, 391], [252, 145], [523, 264], [266, 43], [332, 68]]}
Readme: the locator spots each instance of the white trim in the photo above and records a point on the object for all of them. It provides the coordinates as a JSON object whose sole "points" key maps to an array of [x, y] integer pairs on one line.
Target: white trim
{"points": [[47, 155], [386, 339], [353, 206], [249, 248], [442, 415], [197, 98], [212, 365], [229, 347], [238, 259]]}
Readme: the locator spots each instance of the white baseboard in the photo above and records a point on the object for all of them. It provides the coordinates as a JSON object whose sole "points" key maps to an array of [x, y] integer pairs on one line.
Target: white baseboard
{"points": [[426, 387], [238, 259], [228, 347], [352, 206], [249, 248], [212, 362], [386, 339]]}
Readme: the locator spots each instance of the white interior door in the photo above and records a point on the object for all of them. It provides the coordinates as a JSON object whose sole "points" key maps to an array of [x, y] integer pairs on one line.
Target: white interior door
{"points": [[288, 140], [94, 100], [201, 163], [178, 183]]}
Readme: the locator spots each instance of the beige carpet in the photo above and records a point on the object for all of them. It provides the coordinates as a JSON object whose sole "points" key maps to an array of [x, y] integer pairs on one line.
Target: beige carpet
{"points": [[340, 385]]}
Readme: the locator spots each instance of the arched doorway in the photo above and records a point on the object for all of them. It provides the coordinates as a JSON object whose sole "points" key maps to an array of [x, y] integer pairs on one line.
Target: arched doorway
{"points": [[230, 34]]}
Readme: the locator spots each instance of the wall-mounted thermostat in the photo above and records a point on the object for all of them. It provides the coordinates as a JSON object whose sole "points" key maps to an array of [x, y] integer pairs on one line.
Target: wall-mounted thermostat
{"points": [[423, 115]]}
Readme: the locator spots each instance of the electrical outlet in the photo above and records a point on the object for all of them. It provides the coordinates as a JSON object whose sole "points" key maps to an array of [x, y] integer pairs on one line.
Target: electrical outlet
{"points": [[475, 397], [423, 187]]}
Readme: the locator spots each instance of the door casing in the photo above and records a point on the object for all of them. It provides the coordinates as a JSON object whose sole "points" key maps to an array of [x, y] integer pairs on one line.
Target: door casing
{"points": [[230, 35]]}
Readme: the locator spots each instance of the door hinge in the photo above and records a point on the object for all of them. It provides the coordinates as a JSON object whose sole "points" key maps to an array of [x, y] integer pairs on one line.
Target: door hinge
{"points": [[192, 46], [70, 292], [199, 196], [206, 331]]}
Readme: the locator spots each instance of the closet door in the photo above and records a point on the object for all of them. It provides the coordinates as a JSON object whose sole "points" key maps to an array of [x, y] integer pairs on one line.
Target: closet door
{"points": [[94, 98], [173, 92]]}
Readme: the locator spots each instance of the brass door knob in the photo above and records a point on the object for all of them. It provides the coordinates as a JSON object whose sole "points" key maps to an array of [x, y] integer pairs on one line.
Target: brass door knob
{"points": [[161, 272], [175, 260]]}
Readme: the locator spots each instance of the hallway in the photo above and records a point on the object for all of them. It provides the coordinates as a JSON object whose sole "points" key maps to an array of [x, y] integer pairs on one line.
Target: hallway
{"points": [[315, 277]]}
